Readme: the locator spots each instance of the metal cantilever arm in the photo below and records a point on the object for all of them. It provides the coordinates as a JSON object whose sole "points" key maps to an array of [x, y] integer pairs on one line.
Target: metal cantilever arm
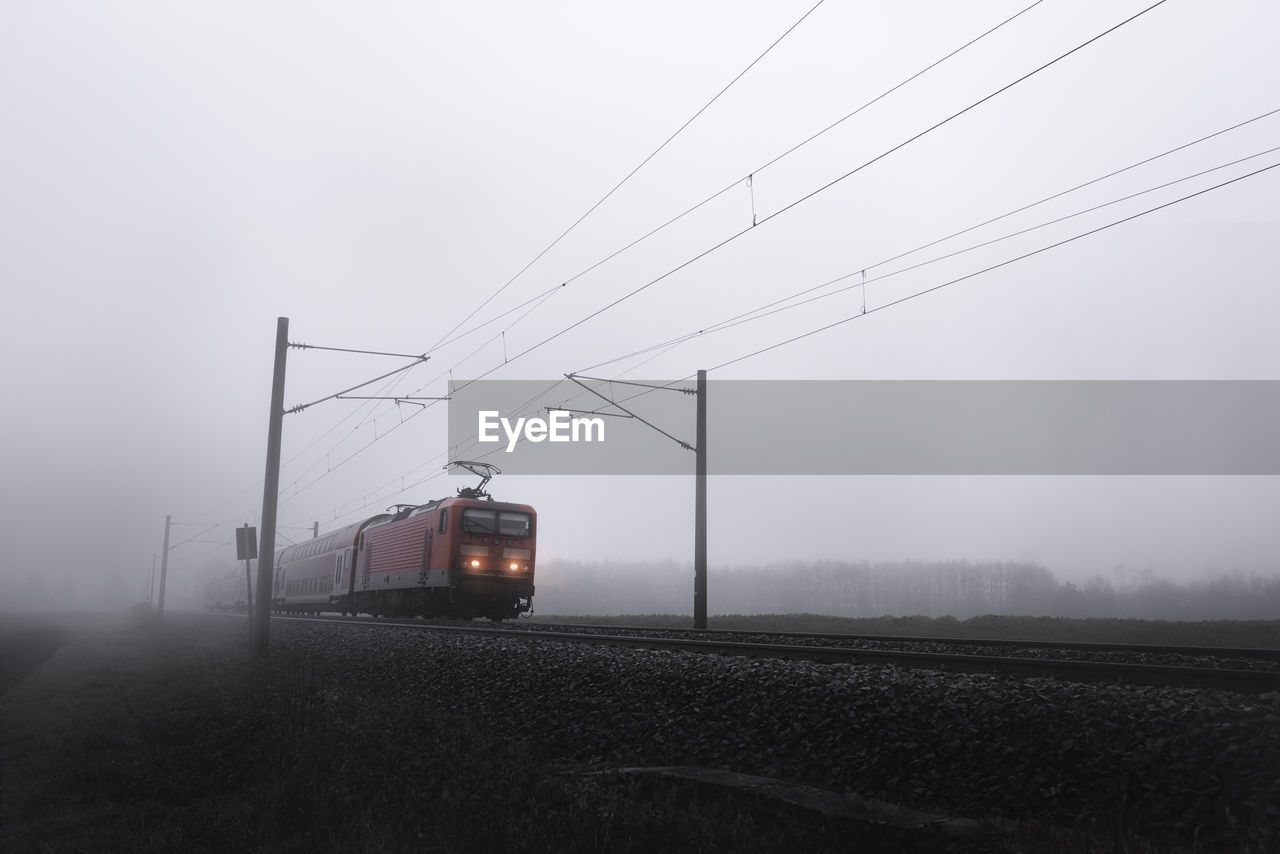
{"points": [[647, 423]]}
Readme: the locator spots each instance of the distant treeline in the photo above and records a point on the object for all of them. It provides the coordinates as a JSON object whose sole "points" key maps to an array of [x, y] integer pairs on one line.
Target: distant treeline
{"points": [[954, 588]]}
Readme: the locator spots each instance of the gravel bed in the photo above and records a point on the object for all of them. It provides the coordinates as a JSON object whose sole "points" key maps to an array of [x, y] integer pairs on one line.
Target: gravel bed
{"points": [[1183, 766], [1028, 650]]}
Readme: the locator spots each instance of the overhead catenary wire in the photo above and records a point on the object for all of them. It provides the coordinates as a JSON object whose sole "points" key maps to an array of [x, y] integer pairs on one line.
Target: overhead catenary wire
{"points": [[788, 207], [810, 195], [629, 175], [988, 269], [539, 299], [680, 339], [366, 501], [518, 410], [789, 302], [750, 176], [193, 537], [417, 361], [400, 373], [379, 500], [418, 356], [1091, 182]]}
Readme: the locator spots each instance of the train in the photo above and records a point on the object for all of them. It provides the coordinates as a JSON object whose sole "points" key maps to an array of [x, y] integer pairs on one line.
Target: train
{"points": [[461, 557]]}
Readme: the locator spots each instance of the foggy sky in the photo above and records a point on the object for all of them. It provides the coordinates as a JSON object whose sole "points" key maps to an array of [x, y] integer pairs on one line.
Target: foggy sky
{"points": [[177, 176]]}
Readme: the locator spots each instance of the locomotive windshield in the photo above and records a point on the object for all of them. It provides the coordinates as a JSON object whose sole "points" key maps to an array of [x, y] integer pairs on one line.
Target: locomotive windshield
{"points": [[504, 523]]}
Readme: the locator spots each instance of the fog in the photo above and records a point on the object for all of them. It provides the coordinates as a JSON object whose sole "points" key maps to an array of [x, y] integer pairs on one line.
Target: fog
{"points": [[958, 589], [175, 177]]}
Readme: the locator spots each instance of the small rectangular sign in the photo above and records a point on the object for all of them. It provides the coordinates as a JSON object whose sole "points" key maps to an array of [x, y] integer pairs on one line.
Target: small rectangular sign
{"points": [[246, 543]]}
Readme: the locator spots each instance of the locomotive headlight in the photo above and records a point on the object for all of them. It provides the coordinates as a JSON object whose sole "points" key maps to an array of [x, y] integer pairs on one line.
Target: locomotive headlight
{"points": [[473, 557], [517, 560]]}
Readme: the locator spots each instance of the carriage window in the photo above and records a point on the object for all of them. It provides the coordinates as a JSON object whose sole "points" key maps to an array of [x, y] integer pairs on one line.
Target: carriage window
{"points": [[444, 519], [477, 521]]}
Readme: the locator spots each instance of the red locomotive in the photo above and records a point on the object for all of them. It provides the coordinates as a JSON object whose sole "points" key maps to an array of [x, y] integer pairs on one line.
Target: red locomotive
{"points": [[467, 556]]}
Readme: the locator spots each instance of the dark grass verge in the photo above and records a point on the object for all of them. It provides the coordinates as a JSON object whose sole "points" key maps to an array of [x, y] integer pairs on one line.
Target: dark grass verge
{"points": [[1253, 634], [167, 738]]}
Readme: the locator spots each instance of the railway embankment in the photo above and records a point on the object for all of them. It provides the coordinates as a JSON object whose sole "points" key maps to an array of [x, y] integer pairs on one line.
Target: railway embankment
{"points": [[157, 737]]}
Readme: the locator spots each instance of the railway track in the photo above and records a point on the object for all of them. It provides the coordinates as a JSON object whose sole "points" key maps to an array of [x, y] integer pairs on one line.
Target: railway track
{"points": [[1191, 656], [1216, 668]]}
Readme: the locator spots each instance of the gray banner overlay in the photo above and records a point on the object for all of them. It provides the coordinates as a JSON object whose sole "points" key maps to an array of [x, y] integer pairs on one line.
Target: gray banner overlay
{"points": [[809, 427]]}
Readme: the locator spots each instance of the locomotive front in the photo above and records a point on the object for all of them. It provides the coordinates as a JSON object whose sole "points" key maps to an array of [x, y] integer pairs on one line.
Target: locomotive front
{"points": [[493, 557]]}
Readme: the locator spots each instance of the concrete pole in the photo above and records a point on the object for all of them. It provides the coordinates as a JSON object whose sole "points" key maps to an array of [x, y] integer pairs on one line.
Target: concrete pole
{"points": [[700, 510], [270, 495], [164, 569]]}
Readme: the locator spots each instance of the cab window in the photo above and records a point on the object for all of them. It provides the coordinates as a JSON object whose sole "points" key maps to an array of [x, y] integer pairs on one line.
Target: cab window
{"points": [[504, 523]]}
